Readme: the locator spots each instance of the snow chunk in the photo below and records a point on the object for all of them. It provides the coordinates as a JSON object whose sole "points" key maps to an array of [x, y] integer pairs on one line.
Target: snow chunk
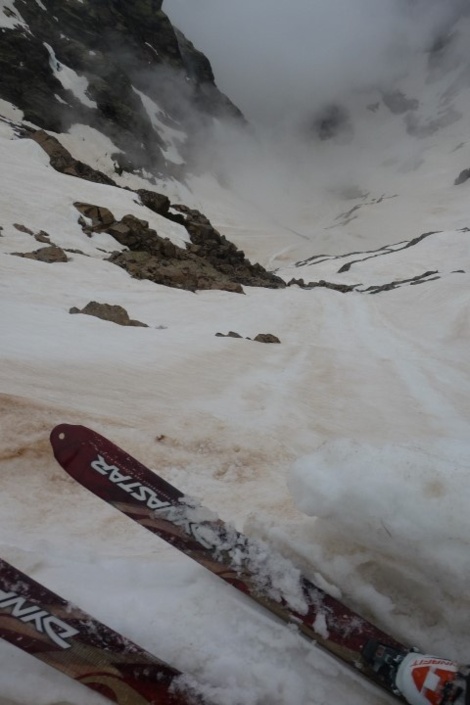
{"points": [[272, 575], [411, 500], [320, 626]]}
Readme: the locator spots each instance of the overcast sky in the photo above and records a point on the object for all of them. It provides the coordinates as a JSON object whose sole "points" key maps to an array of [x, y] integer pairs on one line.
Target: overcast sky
{"points": [[273, 57]]}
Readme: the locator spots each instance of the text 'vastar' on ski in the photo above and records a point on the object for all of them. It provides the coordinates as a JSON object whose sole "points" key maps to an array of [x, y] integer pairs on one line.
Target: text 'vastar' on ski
{"points": [[141, 494]]}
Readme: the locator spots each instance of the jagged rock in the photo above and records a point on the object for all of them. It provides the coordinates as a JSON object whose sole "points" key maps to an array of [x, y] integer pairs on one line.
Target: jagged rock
{"points": [[23, 228], [230, 334], [187, 273], [266, 338], [109, 312], [135, 234], [210, 262], [62, 160], [223, 255], [101, 218], [157, 202], [45, 254], [462, 177], [42, 236]]}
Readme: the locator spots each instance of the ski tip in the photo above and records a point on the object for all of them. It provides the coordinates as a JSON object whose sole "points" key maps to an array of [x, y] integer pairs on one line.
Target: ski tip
{"points": [[63, 441]]}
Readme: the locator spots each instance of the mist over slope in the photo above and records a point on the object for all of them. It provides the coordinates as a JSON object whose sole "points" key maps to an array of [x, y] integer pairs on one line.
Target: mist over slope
{"points": [[280, 60], [321, 166]]}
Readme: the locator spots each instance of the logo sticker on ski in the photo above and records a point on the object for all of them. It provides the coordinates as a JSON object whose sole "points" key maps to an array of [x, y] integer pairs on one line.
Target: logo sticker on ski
{"points": [[176, 515], [44, 622]]}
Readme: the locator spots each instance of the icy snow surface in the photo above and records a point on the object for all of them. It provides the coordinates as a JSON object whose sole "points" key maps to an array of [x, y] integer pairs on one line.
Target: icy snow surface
{"points": [[346, 446]]}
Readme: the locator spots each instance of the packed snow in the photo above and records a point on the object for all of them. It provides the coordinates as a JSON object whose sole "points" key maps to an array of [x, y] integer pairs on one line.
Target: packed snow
{"points": [[346, 447]]}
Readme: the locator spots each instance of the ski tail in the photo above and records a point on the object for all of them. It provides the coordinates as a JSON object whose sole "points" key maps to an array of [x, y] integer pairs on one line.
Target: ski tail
{"points": [[61, 635]]}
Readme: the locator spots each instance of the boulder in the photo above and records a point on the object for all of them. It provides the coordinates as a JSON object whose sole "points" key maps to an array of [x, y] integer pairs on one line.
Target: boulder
{"points": [[266, 338], [109, 312], [49, 254]]}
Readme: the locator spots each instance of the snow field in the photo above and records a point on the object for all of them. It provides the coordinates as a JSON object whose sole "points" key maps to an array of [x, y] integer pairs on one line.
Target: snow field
{"points": [[346, 446]]}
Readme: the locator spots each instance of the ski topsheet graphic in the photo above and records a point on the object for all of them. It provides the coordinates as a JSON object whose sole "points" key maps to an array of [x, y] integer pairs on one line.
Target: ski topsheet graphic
{"points": [[253, 568], [61, 635]]}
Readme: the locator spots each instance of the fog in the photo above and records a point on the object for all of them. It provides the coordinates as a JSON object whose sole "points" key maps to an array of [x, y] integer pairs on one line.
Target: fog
{"points": [[307, 75], [278, 58]]}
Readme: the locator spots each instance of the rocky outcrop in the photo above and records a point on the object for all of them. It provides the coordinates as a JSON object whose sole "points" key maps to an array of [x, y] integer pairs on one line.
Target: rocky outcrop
{"points": [[62, 160], [156, 202], [115, 48], [210, 261], [108, 312], [223, 255]]}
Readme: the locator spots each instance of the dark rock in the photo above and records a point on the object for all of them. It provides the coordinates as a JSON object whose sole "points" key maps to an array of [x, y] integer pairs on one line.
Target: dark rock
{"points": [[101, 218], [108, 312], [27, 81], [189, 274], [42, 236], [230, 334], [266, 338], [157, 202], [23, 228], [223, 255], [158, 259], [462, 177], [135, 234], [343, 288]]}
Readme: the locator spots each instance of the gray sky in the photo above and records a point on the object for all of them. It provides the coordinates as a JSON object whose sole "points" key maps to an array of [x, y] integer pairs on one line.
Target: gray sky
{"points": [[277, 58]]}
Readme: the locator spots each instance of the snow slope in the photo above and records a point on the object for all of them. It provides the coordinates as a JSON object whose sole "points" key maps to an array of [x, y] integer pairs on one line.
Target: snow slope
{"points": [[346, 445]]}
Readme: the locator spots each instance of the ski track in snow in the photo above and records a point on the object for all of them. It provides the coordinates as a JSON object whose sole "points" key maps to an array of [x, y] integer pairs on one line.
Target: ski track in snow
{"points": [[360, 418]]}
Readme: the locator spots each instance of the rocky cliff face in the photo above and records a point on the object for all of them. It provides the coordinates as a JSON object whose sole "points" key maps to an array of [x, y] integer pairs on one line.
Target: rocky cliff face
{"points": [[123, 69], [90, 61]]}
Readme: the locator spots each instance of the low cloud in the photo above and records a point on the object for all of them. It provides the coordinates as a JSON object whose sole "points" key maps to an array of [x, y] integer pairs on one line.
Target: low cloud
{"points": [[278, 59]]}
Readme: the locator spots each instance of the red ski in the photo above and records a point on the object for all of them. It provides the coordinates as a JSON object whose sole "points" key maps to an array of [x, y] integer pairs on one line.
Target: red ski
{"points": [[61, 635], [254, 569]]}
